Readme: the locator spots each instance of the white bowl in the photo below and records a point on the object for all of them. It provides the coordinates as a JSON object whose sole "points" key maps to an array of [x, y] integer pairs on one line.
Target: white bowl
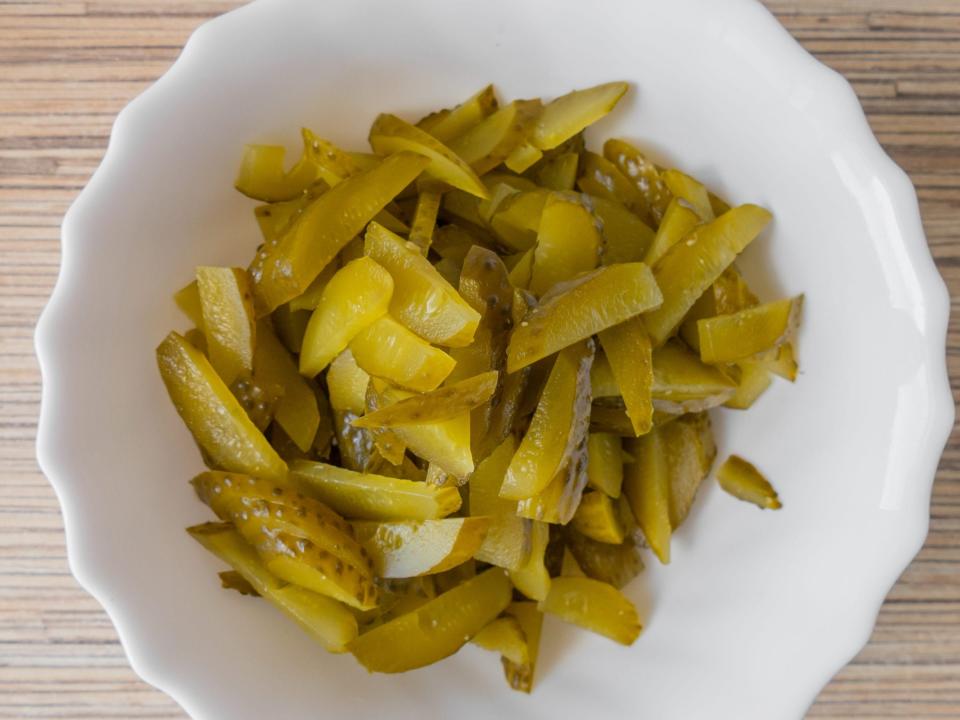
{"points": [[757, 610]]}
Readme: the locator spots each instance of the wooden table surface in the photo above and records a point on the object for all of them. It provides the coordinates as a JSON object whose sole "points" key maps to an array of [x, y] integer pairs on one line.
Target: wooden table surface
{"points": [[67, 67]]}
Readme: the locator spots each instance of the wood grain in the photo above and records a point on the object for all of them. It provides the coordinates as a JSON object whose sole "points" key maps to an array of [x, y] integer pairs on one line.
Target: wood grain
{"points": [[66, 69]]}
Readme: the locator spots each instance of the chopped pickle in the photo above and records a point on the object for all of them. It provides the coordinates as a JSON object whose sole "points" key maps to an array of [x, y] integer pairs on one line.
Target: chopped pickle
{"points": [[297, 410], [262, 177], [566, 116], [516, 220], [625, 236], [422, 299], [425, 219], [213, 415], [575, 310], [347, 384], [445, 403], [634, 165], [388, 350], [409, 548], [490, 142], [507, 542], [742, 335], [453, 123], [436, 629], [646, 483], [628, 349], [520, 675], [605, 463], [568, 242], [356, 297], [482, 344], [745, 482], [614, 564], [187, 299], [559, 173], [390, 134], [324, 619], [505, 636], [689, 268], [284, 270], [445, 443], [597, 518], [753, 379], [291, 326], [228, 323], [683, 383], [690, 452], [373, 497], [678, 223], [690, 191], [602, 382], [532, 578], [601, 178], [523, 157], [311, 296], [558, 426], [594, 606]]}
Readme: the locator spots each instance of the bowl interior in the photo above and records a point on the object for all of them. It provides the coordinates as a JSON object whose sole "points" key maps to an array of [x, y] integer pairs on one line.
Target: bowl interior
{"points": [[757, 609]]}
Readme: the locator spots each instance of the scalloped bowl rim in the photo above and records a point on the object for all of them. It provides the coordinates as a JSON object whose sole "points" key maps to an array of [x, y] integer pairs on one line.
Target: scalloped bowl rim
{"points": [[839, 105]]}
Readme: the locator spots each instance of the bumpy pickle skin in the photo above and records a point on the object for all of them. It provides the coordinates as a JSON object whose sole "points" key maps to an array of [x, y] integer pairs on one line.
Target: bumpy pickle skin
{"points": [[213, 415], [324, 619], [437, 629]]}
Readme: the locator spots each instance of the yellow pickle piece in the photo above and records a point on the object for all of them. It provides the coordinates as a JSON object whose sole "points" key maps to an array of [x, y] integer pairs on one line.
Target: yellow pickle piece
{"points": [[605, 463], [742, 335], [579, 308], [465, 116], [324, 619], [409, 548], [559, 500], [505, 636], [678, 223], [424, 223], [559, 173], [491, 141], [690, 191], [520, 675], [373, 497], [690, 267], [601, 178], [508, 539], [437, 629], [226, 304], [187, 299], [261, 175], [625, 236], [742, 480], [444, 403], [347, 384], [283, 270], [422, 300], [597, 518], [602, 382], [568, 242], [646, 483], [389, 350], [633, 164], [532, 578], [213, 415], [594, 606], [567, 115], [683, 383], [356, 297], [613, 564], [557, 428], [690, 450], [629, 351]]}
